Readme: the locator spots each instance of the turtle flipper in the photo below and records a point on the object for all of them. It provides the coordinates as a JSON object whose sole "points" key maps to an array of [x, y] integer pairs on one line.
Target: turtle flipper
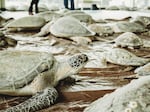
{"points": [[40, 100]]}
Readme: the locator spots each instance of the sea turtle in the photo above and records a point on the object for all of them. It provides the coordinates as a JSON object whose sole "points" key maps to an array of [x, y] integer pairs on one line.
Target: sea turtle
{"points": [[123, 7], [4, 21], [69, 26], [6, 41], [125, 26], [112, 7], [133, 97], [70, 12], [146, 43], [123, 57], [65, 27], [116, 27], [101, 29], [35, 73], [44, 30], [112, 17], [144, 20], [143, 70], [49, 15], [146, 33], [83, 17], [26, 23], [128, 39]]}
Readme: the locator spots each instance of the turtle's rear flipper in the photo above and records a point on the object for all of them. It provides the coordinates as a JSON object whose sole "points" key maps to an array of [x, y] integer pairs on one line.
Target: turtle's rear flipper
{"points": [[39, 101]]}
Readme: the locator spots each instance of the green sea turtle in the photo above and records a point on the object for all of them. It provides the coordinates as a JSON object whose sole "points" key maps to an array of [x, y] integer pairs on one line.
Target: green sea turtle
{"points": [[70, 12], [26, 23], [65, 27], [125, 26], [35, 73], [6, 41], [101, 29], [143, 70], [69, 26], [146, 43], [116, 27], [123, 57], [49, 15], [83, 17], [146, 33], [4, 21], [128, 39], [144, 20], [112, 8], [133, 97], [122, 7]]}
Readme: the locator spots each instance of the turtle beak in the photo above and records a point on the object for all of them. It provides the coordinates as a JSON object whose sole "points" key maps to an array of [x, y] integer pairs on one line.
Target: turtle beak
{"points": [[85, 58]]}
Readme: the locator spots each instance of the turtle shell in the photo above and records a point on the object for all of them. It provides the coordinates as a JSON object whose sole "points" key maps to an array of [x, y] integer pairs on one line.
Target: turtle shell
{"points": [[19, 68], [68, 27], [123, 57], [143, 20], [70, 12], [49, 15], [124, 8], [121, 27], [128, 39], [83, 17], [101, 29], [4, 21], [133, 97], [27, 22], [112, 8], [143, 70]]}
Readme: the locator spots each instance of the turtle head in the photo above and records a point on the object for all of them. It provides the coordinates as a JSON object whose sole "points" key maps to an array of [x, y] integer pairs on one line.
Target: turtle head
{"points": [[71, 66], [78, 61]]}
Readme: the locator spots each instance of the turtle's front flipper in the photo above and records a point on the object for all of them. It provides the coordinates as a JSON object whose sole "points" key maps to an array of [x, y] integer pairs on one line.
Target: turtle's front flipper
{"points": [[40, 100]]}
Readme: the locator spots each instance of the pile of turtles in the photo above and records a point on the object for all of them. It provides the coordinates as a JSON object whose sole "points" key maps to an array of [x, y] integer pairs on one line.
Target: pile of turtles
{"points": [[37, 73]]}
